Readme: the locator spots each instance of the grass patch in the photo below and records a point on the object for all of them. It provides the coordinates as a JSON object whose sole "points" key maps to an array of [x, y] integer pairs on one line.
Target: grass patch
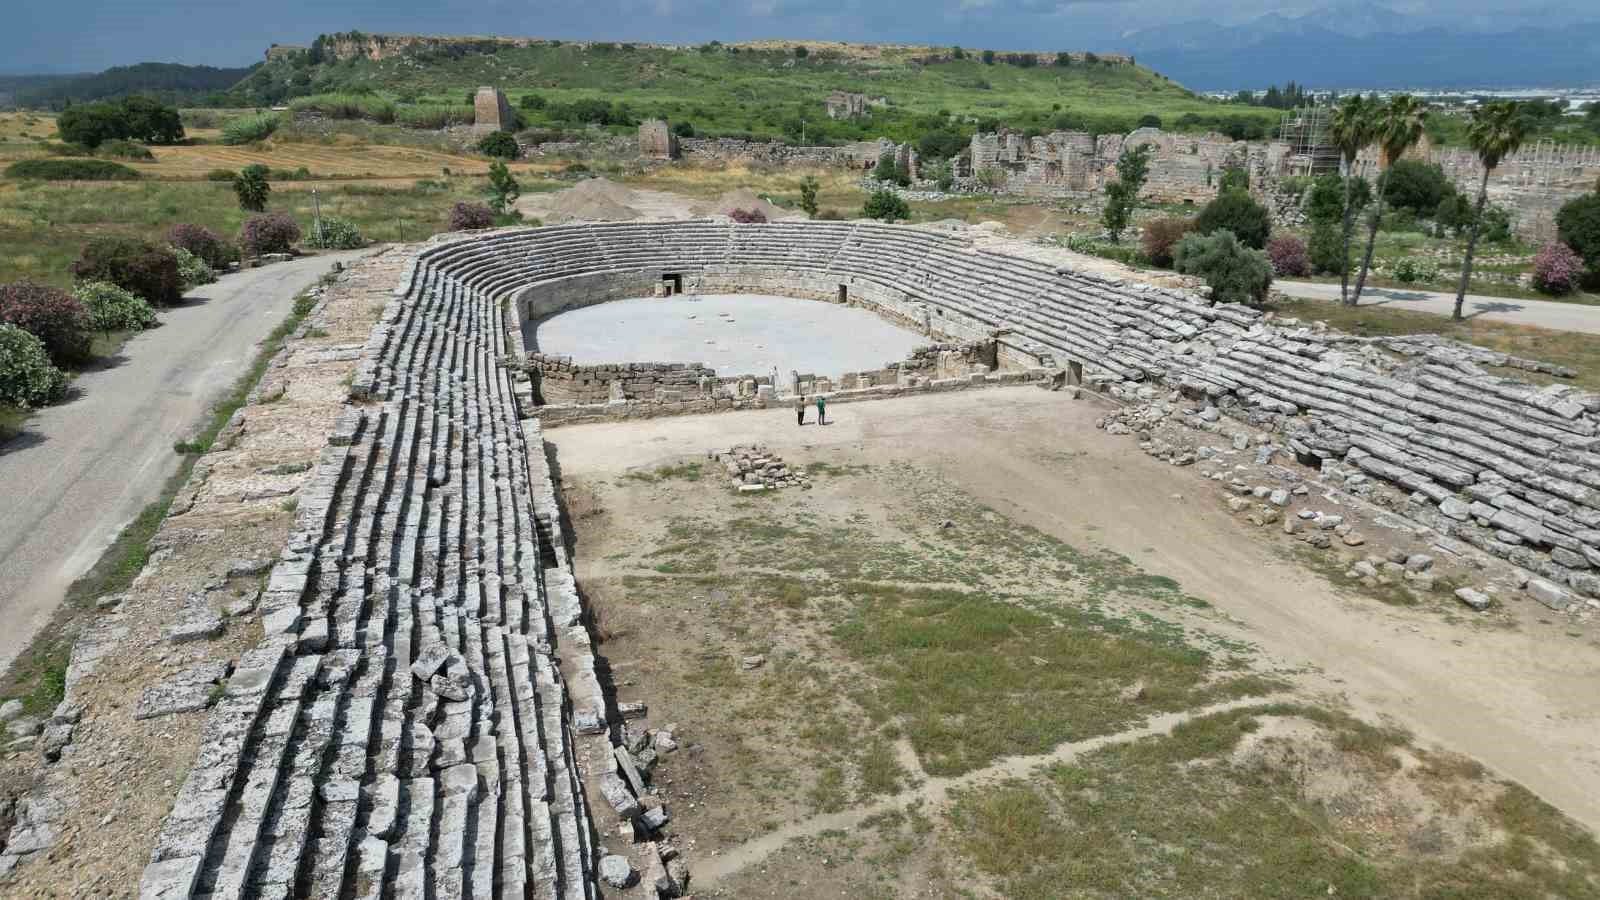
{"points": [[1174, 816], [689, 471]]}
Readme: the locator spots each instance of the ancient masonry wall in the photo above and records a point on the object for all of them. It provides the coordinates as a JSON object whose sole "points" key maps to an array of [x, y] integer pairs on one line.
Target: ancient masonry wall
{"points": [[492, 111], [1504, 466]]}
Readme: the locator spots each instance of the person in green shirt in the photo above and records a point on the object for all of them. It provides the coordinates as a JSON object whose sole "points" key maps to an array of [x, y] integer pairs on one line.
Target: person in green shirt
{"points": [[822, 410]]}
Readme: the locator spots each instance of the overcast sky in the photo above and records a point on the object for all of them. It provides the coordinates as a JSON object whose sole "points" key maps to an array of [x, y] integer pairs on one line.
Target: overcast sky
{"points": [[87, 35]]}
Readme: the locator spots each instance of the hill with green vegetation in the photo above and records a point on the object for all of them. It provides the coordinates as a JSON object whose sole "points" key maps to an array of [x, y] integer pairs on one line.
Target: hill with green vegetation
{"points": [[168, 82], [763, 90]]}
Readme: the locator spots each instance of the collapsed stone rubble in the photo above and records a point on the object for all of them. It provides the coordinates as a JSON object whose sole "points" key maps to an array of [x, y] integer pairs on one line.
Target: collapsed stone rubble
{"points": [[754, 468]]}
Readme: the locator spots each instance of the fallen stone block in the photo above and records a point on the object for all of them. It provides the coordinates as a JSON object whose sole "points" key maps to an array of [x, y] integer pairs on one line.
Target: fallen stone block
{"points": [[1551, 595], [1473, 598]]}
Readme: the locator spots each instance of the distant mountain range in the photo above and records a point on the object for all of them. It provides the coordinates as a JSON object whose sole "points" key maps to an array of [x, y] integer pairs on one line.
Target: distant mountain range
{"points": [[1364, 45], [171, 82]]}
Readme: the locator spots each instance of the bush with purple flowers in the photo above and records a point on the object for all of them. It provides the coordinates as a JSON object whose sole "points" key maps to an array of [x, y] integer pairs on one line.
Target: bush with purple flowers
{"points": [[272, 232], [469, 216], [50, 314], [1289, 257], [1557, 269]]}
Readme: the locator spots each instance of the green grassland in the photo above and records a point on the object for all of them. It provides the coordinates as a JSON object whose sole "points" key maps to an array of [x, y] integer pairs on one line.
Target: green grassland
{"points": [[769, 92]]}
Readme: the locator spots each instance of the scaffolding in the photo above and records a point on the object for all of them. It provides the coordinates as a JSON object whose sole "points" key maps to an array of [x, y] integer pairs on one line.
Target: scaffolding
{"points": [[1311, 150]]}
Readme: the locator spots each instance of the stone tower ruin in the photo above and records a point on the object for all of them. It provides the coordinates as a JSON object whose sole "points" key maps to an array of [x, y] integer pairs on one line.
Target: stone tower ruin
{"points": [[492, 111], [656, 140]]}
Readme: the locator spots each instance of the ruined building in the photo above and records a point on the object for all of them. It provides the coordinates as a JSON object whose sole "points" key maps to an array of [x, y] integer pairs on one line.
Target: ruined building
{"points": [[656, 140], [492, 111], [845, 105]]}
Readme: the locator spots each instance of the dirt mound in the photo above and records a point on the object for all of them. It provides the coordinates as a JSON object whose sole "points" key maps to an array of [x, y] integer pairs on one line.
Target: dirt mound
{"points": [[746, 199], [591, 200]]}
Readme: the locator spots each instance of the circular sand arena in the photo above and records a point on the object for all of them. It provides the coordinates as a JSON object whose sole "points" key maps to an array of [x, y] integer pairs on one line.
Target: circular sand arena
{"points": [[735, 334]]}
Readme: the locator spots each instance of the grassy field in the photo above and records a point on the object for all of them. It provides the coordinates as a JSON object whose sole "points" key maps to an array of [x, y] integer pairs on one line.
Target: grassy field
{"points": [[911, 639]]}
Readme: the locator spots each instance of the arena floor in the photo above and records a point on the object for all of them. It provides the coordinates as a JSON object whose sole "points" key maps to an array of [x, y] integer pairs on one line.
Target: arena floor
{"points": [[736, 334]]}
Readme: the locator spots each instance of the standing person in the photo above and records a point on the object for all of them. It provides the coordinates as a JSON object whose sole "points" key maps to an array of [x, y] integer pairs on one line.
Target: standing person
{"points": [[800, 409], [822, 410]]}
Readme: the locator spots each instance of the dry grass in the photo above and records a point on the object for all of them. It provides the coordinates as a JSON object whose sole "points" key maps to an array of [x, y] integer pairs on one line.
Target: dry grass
{"points": [[345, 158]]}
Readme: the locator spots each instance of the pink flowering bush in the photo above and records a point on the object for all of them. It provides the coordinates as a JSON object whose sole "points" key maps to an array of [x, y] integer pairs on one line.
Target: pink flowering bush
{"points": [[1557, 269], [1289, 256], [50, 314], [468, 216]]}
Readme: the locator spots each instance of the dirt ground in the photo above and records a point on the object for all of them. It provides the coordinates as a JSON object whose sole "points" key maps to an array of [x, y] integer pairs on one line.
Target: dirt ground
{"points": [[801, 771]]}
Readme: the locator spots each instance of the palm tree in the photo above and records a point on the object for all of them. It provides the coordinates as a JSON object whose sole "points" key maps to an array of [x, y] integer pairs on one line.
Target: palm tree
{"points": [[1496, 132], [1351, 130], [1399, 127]]}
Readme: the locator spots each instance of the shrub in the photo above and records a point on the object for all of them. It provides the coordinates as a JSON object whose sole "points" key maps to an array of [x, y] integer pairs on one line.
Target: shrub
{"points": [[251, 187], [1237, 212], [808, 195], [469, 216], [27, 379], [204, 243], [248, 129], [499, 144], [1417, 186], [347, 106], [50, 314], [1412, 269], [886, 206], [1578, 226], [148, 270], [125, 150], [434, 115], [220, 175], [748, 216], [71, 170], [1161, 236], [111, 308], [336, 234], [192, 270], [271, 232], [1289, 257], [132, 118], [1234, 178], [1235, 272], [1326, 251], [1557, 269], [1327, 198]]}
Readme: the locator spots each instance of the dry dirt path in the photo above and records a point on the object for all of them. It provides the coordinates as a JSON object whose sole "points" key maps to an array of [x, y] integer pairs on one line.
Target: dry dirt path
{"points": [[1521, 700], [83, 469], [1542, 313]]}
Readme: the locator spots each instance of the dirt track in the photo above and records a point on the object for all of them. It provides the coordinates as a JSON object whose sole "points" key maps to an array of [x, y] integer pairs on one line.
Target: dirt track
{"points": [[1519, 699]]}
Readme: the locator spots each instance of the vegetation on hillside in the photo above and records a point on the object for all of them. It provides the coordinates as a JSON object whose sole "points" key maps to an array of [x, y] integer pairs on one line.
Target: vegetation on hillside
{"points": [[725, 90], [167, 82]]}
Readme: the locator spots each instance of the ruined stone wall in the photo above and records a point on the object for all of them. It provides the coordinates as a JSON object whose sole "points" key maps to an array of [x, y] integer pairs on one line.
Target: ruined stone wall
{"points": [[492, 111], [857, 155], [558, 380], [1532, 184]]}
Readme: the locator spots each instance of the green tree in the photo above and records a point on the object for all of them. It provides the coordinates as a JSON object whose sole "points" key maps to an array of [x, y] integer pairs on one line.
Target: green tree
{"points": [[885, 205], [988, 57], [1578, 225], [1417, 185], [503, 188], [1234, 178], [1399, 127], [1122, 195], [1352, 128], [499, 144], [1237, 212], [808, 195], [1236, 273], [1496, 132], [251, 187]]}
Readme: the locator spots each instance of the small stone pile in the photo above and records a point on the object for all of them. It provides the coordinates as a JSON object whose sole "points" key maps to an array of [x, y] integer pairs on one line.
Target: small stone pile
{"points": [[754, 468]]}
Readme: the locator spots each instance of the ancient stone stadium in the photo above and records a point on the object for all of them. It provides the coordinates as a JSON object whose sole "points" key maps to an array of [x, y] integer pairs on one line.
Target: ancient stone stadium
{"points": [[426, 710]]}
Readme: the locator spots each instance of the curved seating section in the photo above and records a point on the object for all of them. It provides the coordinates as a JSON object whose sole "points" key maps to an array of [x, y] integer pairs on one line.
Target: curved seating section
{"points": [[1520, 464], [412, 724]]}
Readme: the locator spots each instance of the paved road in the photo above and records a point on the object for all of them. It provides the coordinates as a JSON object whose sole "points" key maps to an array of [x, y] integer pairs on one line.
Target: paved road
{"points": [[83, 469], [1543, 313]]}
